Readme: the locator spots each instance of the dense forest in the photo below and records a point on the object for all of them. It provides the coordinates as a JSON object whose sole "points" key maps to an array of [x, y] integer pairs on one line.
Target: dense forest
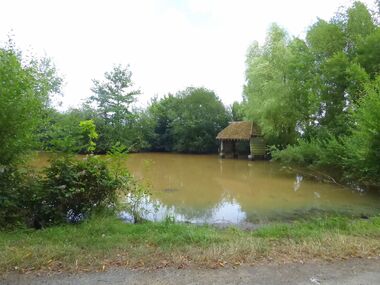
{"points": [[316, 99]]}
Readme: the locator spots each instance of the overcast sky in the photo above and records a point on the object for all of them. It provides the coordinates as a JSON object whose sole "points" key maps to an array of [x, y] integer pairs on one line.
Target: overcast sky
{"points": [[169, 44]]}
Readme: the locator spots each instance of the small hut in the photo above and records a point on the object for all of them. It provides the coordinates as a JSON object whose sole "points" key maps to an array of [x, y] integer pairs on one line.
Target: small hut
{"points": [[238, 132]]}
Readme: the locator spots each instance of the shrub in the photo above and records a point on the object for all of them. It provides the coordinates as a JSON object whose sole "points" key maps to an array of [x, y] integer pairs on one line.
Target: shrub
{"points": [[74, 188], [319, 153], [10, 196], [67, 191]]}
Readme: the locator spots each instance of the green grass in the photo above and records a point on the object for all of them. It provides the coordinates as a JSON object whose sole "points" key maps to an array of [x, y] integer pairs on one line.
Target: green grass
{"points": [[103, 242], [319, 226]]}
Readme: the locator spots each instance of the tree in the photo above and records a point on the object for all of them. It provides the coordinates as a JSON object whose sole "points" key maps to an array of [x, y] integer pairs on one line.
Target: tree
{"points": [[320, 97], [325, 39], [63, 132], [113, 98], [25, 87], [199, 119], [237, 111], [186, 122], [359, 25], [368, 53], [362, 153], [163, 112], [269, 88]]}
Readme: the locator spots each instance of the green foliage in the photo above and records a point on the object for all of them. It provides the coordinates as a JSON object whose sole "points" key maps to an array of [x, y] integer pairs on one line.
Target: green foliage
{"points": [[163, 112], [73, 188], [24, 93], [356, 155], [71, 132], [137, 198], [187, 122], [369, 53], [237, 111], [322, 153], [363, 145], [268, 91], [89, 133], [325, 39], [318, 98], [11, 197], [200, 116], [113, 98], [67, 191], [359, 24], [134, 193]]}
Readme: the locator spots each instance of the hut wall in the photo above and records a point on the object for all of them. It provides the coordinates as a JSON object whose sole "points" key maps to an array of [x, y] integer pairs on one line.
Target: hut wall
{"points": [[243, 147], [227, 146], [258, 146]]}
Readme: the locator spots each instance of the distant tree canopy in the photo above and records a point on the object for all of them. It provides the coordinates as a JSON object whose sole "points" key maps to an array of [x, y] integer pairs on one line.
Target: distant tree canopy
{"points": [[200, 116], [188, 121], [312, 93], [185, 122]]}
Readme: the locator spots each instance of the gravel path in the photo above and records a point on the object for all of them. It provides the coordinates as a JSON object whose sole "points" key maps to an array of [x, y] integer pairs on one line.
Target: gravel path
{"points": [[355, 271]]}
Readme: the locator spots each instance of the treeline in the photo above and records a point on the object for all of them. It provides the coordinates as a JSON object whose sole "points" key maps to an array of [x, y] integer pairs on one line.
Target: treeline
{"points": [[187, 121], [71, 189], [318, 99]]}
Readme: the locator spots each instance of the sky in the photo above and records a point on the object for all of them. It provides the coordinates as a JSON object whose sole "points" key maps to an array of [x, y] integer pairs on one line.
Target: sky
{"points": [[169, 44]]}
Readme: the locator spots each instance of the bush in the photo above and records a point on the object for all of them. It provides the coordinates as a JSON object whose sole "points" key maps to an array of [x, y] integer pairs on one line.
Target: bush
{"points": [[67, 191], [74, 188], [10, 197], [319, 153]]}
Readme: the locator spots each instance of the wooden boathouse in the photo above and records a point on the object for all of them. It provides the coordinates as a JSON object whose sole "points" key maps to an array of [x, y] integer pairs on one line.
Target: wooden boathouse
{"points": [[241, 131]]}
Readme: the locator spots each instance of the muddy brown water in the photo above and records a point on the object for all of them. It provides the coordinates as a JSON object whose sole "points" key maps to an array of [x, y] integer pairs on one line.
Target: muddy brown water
{"points": [[206, 189]]}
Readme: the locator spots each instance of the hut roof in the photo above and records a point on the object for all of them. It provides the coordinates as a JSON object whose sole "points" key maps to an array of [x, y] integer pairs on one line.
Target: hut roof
{"points": [[242, 130]]}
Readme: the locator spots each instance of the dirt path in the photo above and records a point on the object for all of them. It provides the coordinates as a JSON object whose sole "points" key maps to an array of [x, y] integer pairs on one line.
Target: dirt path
{"points": [[356, 271]]}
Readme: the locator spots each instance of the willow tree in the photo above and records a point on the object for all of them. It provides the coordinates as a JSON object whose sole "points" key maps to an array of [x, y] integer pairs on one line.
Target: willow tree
{"points": [[271, 78]]}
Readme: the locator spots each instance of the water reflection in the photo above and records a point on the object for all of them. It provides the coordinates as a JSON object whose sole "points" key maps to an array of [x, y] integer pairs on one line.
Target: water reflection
{"points": [[297, 183]]}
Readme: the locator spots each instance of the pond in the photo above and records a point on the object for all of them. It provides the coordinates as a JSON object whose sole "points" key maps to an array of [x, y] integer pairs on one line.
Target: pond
{"points": [[206, 189]]}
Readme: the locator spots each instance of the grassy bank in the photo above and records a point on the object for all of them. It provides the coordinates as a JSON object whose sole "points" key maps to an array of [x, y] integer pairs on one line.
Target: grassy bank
{"points": [[105, 242]]}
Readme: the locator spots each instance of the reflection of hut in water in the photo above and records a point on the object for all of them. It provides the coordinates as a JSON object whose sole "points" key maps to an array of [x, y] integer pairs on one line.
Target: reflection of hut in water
{"points": [[241, 133]]}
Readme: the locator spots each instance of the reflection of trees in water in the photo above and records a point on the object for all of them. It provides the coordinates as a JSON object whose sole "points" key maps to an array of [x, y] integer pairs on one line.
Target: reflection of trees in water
{"points": [[194, 192], [197, 212], [226, 211]]}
